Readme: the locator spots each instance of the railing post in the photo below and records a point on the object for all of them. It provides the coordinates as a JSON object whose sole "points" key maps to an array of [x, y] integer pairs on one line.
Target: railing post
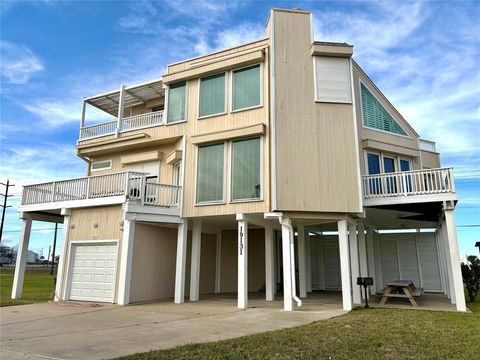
{"points": [[404, 184], [121, 101], [54, 186], [142, 190], [88, 188], [127, 183], [451, 180]]}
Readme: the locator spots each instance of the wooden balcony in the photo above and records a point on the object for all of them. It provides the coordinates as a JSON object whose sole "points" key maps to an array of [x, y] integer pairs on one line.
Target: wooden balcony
{"points": [[428, 185], [129, 123], [115, 188]]}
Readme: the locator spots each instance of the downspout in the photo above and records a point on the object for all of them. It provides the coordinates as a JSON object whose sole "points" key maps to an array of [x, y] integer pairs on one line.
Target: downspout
{"points": [[292, 261]]}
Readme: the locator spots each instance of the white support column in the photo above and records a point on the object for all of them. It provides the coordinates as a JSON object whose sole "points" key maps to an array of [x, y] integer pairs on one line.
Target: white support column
{"points": [[308, 261], [62, 257], [371, 260], [218, 259], [269, 264], [455, 260], [287, 265], [121, 103], [22, 253], [441, 263], [345, 265], [82, 120], [126, 258], [362, 252], [242, 292], [450, 287], [352, 235], [195, 260], [182, 234], [302, 268]]}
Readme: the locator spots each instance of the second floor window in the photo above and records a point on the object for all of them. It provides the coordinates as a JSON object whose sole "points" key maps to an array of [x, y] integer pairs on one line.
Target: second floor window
{"points": [[212, 95], [246, 88], [176, 102], [246, 169], [210, 173]]}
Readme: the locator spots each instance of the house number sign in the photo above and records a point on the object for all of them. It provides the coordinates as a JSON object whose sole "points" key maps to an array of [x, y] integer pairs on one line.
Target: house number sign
{"points": [[240, 245]]}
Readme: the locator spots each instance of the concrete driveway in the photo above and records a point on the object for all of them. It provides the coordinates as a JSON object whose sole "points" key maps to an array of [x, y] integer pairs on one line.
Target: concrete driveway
{"points": [[78, 330]]}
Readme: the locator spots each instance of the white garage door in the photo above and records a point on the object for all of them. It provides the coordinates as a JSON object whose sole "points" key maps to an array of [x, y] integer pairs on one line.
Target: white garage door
{"points": [[93, 272]]}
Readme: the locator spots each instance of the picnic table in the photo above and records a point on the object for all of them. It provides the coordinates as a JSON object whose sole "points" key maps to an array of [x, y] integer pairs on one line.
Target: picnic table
{"points": [[401, 289]]}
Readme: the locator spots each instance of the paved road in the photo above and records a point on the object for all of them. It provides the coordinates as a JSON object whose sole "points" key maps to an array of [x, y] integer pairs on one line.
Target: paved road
{"points": [[74, 330]]}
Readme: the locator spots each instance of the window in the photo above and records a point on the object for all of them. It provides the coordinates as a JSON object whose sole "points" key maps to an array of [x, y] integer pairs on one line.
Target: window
{"points": [[373, 161], [212, 95], [210, 173], [176, 173], [101, 165], [246, 169], [404, 165], [246, 88], [333, 81], [176, 102], [375, 116]]}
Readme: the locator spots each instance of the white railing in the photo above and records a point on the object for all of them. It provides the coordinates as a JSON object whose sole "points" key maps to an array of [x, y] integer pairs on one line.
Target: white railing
{"points": [[406, 183], [91, 187], [127, 124], [428, 145], [102, 129], [142, 120], [155, 194], [133, 185]]}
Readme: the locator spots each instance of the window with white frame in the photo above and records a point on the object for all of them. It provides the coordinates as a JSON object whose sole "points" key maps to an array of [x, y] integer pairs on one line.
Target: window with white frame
{"points": [[210, 173], [246, 169], [246, 88], [177, 97], [333, 79], [212, 99], [101, 165]]}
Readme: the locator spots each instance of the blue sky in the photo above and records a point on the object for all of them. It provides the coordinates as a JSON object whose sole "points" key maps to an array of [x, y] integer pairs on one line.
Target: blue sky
{"points": [[423, 55]]}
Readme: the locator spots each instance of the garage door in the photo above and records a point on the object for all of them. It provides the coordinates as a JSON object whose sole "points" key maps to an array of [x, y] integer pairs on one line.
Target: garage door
{"points": [[93, 272]]}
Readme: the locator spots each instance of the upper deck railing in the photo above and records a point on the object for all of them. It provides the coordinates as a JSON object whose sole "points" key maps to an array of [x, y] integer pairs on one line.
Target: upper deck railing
{"points": [[132, 185], [127, 123], [408, 183]]}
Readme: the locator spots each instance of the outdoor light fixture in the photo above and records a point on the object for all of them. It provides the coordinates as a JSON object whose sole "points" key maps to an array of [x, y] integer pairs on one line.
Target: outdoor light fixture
{"points": [[477, 244], [365, 282]]}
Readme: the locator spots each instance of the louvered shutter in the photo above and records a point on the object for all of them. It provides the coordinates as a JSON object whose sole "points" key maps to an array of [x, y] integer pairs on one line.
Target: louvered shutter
{"points": [[331, 256], [407, 254], [428, 258], [375, 115], [388, 254]]}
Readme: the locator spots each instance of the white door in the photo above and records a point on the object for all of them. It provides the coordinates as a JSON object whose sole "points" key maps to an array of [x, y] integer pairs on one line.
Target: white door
{"points": [[93, 272]]}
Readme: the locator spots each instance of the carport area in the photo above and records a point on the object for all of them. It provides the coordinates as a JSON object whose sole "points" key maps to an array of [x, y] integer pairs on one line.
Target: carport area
{"points": [[82, 330]]}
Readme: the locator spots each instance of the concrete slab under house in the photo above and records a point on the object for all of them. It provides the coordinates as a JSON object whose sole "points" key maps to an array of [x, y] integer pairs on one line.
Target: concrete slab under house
{"points": [[275, 169]]}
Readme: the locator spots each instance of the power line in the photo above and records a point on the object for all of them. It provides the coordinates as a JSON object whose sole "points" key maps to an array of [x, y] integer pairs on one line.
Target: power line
{"points": [[4, 206], [41, 229]]}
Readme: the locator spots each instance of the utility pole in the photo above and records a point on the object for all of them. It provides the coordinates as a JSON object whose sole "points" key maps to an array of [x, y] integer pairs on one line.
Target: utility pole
{"points": [[53, 250], [4, 206]]}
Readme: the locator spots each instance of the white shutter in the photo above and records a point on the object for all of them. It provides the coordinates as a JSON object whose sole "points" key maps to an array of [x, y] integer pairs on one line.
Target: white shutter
{"points": [[388, 253], [333, 81], [316, 255], [331, 258], [428, 259], [151, 168], [407, 255]]}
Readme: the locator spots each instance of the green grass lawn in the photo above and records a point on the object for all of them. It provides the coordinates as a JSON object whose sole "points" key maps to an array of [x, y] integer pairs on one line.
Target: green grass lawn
{"points": [[360, 334], [38, 286]]}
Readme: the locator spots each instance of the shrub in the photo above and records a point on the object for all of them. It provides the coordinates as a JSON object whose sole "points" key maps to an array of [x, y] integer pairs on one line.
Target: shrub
{"points": [[471, 276]]}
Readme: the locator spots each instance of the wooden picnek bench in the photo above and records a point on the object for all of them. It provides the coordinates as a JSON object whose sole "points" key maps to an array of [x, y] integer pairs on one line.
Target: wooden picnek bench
{"points": [[402, 289]]}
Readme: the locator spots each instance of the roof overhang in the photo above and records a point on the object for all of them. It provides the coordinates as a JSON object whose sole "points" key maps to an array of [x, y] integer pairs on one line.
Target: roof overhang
{"points": [[134, 95]]}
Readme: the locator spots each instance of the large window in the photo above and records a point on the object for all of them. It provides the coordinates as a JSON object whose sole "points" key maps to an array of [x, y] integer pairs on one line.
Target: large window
{"points": [[212, 95], [210, 173], [176, 102], [375, 116], [246, 169], [333, 80], [246, 88]]}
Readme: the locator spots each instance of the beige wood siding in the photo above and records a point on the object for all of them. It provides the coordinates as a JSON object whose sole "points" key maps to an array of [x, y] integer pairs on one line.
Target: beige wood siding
{"points": [[256, 261], [430, 160], [153, 263], [94, 224], [316, 160]]}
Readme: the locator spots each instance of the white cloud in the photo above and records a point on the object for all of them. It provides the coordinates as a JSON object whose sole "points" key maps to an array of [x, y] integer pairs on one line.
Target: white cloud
{"points": [[18, 63]]}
